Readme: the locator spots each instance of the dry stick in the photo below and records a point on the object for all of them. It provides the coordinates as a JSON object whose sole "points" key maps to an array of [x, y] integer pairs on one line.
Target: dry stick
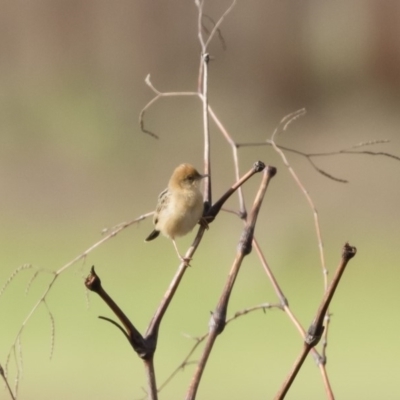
{"points": [[283, 125], [57, 273], [283, 300], [207, 161], [153, 327], [319, 359], [200, 4], [316, 329], [159, 95], [200, 339], [349, 150], [203, 85], [203, 80], [204, 43], [151, 378], [218, 318], [144, 348], [2, 373], [242, 207], [216, 207], [219, 22], [93, 283]]}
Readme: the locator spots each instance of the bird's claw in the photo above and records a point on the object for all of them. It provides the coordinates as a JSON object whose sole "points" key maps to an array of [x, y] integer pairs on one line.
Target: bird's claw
{"points": [[203, 222]]}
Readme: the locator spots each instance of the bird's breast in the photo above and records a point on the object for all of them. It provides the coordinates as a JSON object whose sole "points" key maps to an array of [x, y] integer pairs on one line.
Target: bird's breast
{"points": [[184, 210]]}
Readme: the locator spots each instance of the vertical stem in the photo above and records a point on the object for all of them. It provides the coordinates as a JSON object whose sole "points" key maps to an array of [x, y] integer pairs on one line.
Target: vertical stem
{"points": [[207, 165], [151, 379]]}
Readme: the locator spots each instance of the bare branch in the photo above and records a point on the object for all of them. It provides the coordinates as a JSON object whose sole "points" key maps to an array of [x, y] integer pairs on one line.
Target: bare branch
{"points": [[316, 329], [207, 148], [16, 346], [286, 121], [3, 375], [218, 317]]}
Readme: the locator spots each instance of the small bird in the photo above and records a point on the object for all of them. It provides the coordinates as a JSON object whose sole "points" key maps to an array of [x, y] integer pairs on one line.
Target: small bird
{"points": [[180, 206]]}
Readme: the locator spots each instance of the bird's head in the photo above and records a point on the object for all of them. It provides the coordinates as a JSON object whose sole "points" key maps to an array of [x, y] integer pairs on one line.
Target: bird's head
{"points": [[185, 176]]}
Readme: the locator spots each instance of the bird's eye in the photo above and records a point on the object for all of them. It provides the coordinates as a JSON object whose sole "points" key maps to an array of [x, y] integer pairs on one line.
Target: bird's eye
{"points": [[190, 178]]}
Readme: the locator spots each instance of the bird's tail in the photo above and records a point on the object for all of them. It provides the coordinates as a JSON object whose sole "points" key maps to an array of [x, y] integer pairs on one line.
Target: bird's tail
{"points": [[152, 235]]}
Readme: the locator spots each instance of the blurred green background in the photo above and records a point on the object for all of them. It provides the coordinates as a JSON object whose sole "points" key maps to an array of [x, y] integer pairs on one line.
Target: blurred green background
{"points": [[73, 161]]}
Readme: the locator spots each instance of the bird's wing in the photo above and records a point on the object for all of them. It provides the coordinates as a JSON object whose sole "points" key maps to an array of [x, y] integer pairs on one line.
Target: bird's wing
{"points": [[162, 203]]}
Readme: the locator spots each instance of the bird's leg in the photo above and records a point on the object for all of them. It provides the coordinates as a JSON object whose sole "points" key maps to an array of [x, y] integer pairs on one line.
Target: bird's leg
{"points": [[183, 259]]}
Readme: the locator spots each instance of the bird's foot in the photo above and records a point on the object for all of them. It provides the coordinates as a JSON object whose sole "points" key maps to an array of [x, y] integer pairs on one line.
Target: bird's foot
{"points": [[204, 223]]}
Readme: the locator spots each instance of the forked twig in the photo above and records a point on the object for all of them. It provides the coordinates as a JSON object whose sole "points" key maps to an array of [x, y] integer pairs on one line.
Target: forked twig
{"points": [[286, 121], [145, 346], [309, 156], [186, 361], [316, 329], [16, 346], [210, 216], [218, 318]]}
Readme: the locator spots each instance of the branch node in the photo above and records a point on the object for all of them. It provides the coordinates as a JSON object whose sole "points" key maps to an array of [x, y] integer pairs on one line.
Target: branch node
{"points": [[284, 302], [246, 240], [217, 321], [314, 334], [321, 360], [206, 58], [243, 214]]}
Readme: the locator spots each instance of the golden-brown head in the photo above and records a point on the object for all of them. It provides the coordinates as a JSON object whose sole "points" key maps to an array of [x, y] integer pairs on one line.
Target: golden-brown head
{"points": [[185, 176]]}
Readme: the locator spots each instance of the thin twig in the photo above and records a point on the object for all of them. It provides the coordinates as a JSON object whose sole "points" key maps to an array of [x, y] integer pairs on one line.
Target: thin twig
{"points": [[186, 361], [316, 329], [154, 325], [228, 138], [56, 274], [218, 318], [282, 127], [309, 156], [2, 373], [218, 23], [206, 127]]}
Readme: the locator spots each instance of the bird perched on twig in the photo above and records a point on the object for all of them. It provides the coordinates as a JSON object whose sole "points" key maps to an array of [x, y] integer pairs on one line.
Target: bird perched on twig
{"points": [[180, 206]]}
